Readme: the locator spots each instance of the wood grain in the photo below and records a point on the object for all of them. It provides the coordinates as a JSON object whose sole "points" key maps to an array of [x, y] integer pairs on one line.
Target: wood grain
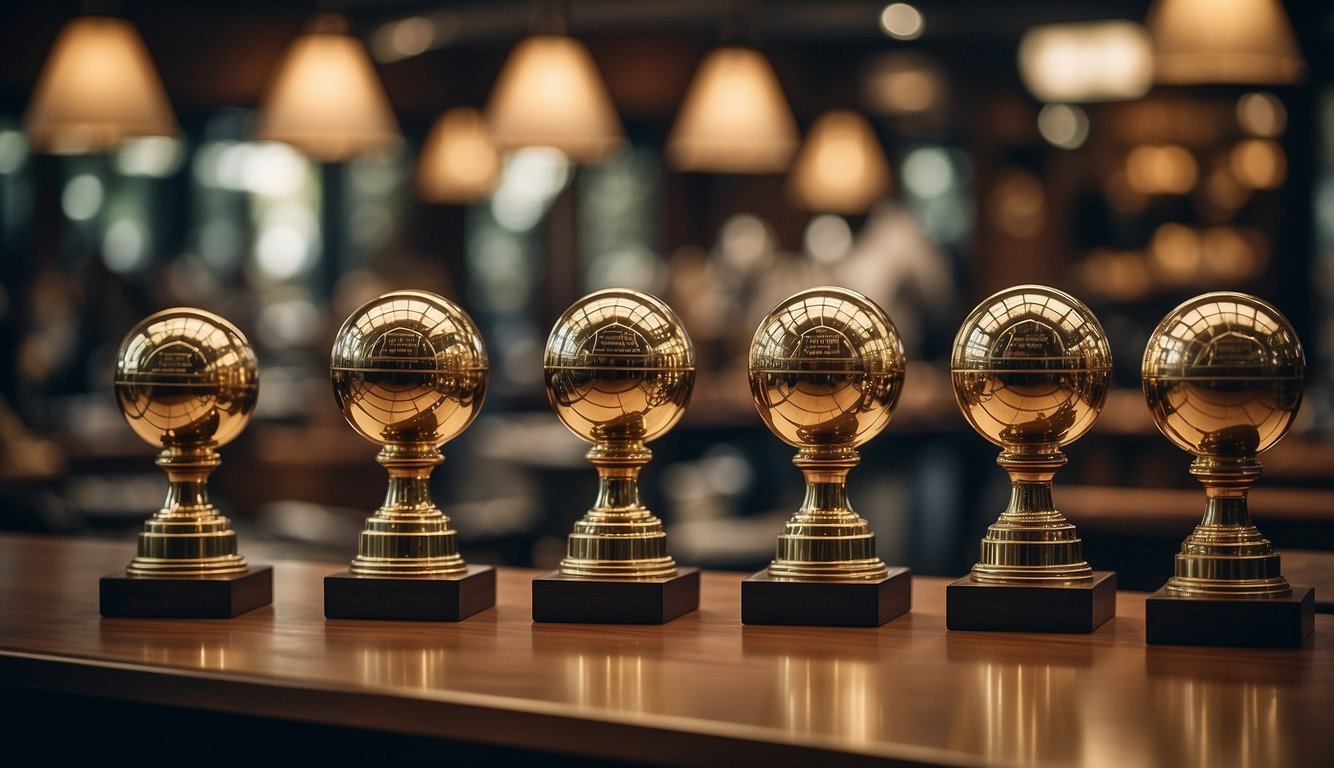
{"points": [[701, 690]]}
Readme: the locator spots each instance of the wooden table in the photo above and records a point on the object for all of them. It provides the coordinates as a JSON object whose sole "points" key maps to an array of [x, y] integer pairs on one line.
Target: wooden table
{"points": [[702, 690]]}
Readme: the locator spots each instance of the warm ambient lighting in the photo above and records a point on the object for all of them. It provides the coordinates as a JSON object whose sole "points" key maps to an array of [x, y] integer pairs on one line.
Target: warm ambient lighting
{"points": [[841, 168], [1223, 41], [1090, 61], [459, 163], [550, 94], [735, 118], [902, 21], [98, 88], [327, 99]]}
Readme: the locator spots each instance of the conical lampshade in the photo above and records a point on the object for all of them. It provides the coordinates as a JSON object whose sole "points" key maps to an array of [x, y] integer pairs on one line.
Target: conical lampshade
{"points": [[1223, 41], [735, 118], [327, 99], [97, 88], [550, 94], [459, 163], [841, 167]]}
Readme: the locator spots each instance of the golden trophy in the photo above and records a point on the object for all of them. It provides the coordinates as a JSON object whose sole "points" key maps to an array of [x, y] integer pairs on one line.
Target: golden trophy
{"points": [[1223, 380], [186, 380], [619, 369], [409, 372], [826, 370], [1031, 368]]}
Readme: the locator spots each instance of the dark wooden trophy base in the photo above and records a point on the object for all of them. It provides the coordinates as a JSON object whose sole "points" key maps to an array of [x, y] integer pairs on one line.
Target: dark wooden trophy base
{"points": [[409, 598], [847, 603], [192, 597], [1271, 622], [572, 599], [973, 605]]}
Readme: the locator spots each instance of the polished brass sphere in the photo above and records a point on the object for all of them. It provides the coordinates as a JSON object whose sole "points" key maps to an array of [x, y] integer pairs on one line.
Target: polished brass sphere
{"points": [[826, 368], [186, 377], [1031, 368], [619, 366], [409, 367], [186, 380], [1223, 375]]}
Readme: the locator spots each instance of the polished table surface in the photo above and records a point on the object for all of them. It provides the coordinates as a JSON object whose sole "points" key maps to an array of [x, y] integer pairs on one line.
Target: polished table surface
{"points": [[702, 690]]}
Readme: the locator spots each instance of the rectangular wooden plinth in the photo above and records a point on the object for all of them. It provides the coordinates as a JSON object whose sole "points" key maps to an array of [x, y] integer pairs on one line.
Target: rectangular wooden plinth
{"points": [[196, 597], [973, 605], [1271, 622], [426, 598], [571, 599], [859, 603]]}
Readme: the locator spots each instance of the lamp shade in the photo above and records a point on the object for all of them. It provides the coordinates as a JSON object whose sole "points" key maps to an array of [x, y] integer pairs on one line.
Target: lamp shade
{"points": [[327, 100], [841, 167], [1087, 61], [550, 94], [97, 88], [735, 118], [459, 163], [1223, 41]]}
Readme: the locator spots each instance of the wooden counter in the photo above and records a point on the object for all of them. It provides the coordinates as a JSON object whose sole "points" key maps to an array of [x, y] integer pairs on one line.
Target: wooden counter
{"points": [[702, 690]]}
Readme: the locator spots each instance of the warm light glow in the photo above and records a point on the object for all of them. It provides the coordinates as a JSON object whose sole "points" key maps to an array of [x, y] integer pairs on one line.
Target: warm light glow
{"points": [[1063, 125], [1261, 114], [459, 163], [903, 84], [97, 88], [1164, 170], [1259, 163], [1090, 61], [735, 118], [327, 100], [1223, 41], [1018, 204], [549, 94], [841, 168], [1175, 254], [902, 21]]}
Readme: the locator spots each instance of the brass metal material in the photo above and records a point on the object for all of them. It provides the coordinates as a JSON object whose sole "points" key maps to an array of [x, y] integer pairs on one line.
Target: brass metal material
{"points": [[826, 370], [409, 372], [619, 370], [1223, 379], [1031, 368], [186, 380]]}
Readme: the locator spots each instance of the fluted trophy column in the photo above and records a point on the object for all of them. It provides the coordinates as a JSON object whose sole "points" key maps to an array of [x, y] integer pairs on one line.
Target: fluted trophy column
{"points": [[186, 380], [1222, 376], [619, 371], [826, 369], [409, 372], [1031, 368]]}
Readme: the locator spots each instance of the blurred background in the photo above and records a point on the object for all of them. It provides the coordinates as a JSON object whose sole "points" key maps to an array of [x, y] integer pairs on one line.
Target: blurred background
{"points": [[281, 162]]}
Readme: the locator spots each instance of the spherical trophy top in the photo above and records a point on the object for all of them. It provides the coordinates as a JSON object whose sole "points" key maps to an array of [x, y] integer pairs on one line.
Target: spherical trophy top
{"points": [[409, 367], [186, 377], [1031, 368], [619, 365], [826, 368], [1223, 375]]}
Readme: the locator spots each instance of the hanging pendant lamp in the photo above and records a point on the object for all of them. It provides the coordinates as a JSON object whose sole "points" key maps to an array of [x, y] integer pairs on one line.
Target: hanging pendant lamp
{"points": [[459, 162], [841, 167], [1223, 41]]}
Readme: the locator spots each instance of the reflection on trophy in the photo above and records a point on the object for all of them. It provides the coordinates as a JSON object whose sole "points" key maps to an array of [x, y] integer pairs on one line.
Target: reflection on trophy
{"points": [[186, 380], [1031, 367], [1223, 380], [826, 369], [619, 369], [409, 372]]}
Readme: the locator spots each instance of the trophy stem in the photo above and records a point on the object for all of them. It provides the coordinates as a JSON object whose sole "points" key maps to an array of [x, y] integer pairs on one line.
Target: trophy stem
{"points": [[187, 536], [1226, 556], [825, 539], [408, 535], [1031, 541], [619, 537]]}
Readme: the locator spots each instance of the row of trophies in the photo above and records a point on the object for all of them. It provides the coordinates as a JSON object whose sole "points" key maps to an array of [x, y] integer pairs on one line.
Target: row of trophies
{"points": [[1222, 375]]}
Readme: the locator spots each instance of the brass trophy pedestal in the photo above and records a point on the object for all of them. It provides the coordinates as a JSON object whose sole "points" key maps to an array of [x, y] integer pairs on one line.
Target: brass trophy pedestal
{"points": [[1222, 376], [1031, 368], [826, 370], [409, 372], [619, 370], [187, 380]]}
